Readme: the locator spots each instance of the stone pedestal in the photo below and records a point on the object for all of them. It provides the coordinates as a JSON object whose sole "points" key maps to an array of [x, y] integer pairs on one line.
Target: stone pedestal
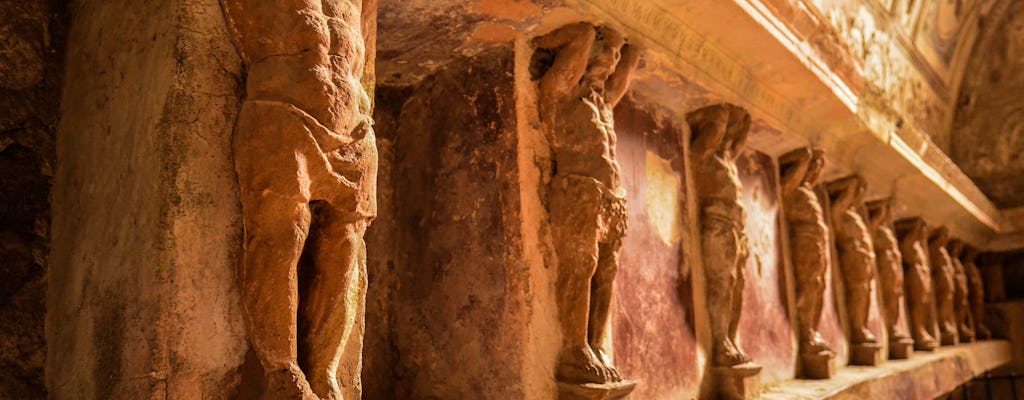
{"points": [[901, 349], [949, 339], [595, 391], [817, 365], [866, 354], [738, 382]]}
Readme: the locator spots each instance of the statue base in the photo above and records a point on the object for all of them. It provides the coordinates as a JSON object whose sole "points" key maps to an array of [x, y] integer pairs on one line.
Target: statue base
{"points": [[737, 382], [818, 365], [595, 391], [966, 337], [901, 349], [866, 354], [949, 339]]}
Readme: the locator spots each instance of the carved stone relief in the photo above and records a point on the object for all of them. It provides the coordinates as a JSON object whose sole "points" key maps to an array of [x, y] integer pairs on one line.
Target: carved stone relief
{"points": [[719, 135], [856, 264], [586, 71], [306, 161], [913, 241], [945, 285], [976, 295], [890, 276], [808, 232]]}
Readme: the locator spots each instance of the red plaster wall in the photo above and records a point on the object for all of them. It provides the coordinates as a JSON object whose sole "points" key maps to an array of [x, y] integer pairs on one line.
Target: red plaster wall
{"points": [[765, 330], [653, 313]]}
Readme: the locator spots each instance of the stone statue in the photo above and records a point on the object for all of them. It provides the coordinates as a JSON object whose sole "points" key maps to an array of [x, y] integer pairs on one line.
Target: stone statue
{"points": [[589, 73], [800, 170], [306, 160], [976, 295], [890, 276], [943, 278], [961, 306], [856, 264], [719, 133], [918, 276]]}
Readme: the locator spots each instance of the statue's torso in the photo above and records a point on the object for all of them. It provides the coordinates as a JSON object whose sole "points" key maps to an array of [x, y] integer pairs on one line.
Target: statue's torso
{"points": [[584, 140]]}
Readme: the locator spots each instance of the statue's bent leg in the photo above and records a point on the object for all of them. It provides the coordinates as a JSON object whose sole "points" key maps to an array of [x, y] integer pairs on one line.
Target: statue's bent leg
{"points": [[335, 301], [721, 252], [810, 264], [859, 270], [575, 208], [276, 216], [742, 254]]}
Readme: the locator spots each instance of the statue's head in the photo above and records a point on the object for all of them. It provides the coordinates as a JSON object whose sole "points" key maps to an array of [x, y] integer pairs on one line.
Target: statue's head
{"points": [[859, 188], [604, 56], [816, 166], [955, 247], [880, 210], [939, 236], [736, 130]]}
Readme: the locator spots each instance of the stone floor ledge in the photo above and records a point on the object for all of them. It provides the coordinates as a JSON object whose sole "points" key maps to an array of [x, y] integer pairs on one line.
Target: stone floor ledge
{"points": [[925, 376]]}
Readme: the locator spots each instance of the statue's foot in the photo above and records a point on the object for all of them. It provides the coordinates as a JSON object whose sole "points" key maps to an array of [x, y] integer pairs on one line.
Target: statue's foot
{"points": [[288, 384], [606, 362], [581, 365], [727, 354], [325, 385], [815, 345], [863, 336], [897, 336]]}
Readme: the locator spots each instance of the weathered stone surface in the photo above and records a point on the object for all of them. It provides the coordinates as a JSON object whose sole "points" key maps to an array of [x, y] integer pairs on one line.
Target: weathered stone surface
{"points": [[456, 310], [988, 130], [142, 297], [32, 38]]}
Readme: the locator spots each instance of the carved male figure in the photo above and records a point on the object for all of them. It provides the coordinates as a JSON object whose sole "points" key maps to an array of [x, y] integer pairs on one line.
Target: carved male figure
{"points": [[976, 297], [943, 278], [918, 276], [719, 134], [890, 269], [305, 156], [856, 253], [800, 170], [917, 268], [961, 306], [589, 74]]}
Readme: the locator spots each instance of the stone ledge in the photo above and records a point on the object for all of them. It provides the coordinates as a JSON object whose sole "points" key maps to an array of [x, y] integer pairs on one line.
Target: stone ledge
{"points": [[925, 376]]}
